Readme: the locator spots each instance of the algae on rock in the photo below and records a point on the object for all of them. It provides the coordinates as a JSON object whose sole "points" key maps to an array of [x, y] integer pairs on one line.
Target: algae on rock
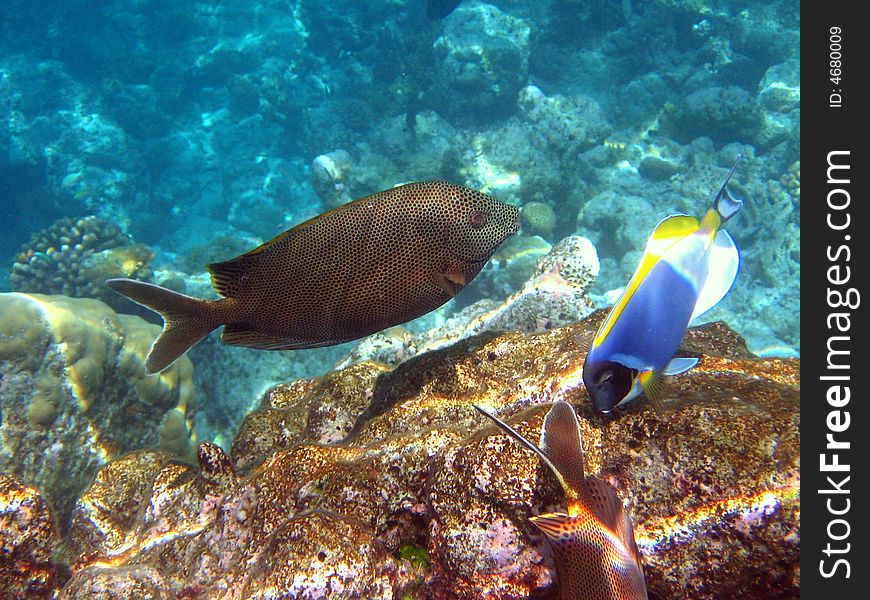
{"points": [[75, 394]]}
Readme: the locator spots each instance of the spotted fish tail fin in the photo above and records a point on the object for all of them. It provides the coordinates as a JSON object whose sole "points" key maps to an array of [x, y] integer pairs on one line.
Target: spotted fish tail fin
{"points": [[186, 320], [725, 204]]}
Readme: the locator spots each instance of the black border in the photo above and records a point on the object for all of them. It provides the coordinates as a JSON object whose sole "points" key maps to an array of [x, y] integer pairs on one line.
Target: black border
{"points": [[826, 129]]}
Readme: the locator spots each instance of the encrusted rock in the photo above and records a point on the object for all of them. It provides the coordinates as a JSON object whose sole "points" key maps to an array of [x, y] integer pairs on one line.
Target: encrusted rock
{"points": [[133, 582], [74, 394], [323, 411], [711, 482], [28, 539]]}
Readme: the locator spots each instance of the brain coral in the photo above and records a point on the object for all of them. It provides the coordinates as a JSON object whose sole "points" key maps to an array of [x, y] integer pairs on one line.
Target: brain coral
{"points": [[74, 257], [538, 218]]}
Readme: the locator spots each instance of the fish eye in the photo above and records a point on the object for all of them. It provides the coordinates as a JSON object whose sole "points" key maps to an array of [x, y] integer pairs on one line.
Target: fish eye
{"points": [[477, 219]]}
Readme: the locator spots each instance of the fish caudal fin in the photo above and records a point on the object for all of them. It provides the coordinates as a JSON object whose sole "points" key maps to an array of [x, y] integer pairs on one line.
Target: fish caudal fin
{"points": [[725, 204], [186, 320], [724, 263]]}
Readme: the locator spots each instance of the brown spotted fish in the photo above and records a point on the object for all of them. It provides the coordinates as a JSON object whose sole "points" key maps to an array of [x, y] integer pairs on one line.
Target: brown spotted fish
{"points": [[363, 267], [593, 543]]}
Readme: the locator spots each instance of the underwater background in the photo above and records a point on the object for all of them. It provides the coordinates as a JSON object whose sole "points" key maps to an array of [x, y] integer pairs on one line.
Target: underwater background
{"points": [[148, 138]]}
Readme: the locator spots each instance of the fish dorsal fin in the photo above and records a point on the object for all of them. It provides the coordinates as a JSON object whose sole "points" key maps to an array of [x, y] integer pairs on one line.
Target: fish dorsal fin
{"points": [[724, 263], [226, 276], [561, 441], [522, 440]]}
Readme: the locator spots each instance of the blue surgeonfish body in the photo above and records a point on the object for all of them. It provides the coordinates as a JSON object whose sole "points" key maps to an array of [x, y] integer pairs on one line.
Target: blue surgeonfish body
{"points": [[687, 268]]}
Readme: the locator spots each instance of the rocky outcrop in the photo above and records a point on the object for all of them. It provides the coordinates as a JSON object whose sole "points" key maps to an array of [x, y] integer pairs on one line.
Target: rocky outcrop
{"points": [[711, 483]]}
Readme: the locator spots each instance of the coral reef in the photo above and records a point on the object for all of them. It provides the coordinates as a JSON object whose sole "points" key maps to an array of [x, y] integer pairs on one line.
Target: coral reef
{"points": [[74, 257], [75, 395], [482, 62], [711, 484], [190, 126]]}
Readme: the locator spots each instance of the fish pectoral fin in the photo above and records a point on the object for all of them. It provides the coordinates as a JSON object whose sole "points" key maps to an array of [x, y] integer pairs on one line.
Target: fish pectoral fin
{"points": [[584, 342], [452, 280], [653, 386], [556, 526], [680, 365], [724, 262]]}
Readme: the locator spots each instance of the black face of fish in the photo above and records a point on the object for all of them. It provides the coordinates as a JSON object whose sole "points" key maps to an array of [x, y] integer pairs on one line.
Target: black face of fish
{"points": [[608, 383]]}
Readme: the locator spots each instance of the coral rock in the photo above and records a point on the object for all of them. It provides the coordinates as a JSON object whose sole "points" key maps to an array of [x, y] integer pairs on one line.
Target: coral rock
{"points": [[329, 177], [711, 483], [28, 538], [483, 60], [75, 395], [562, 125]]}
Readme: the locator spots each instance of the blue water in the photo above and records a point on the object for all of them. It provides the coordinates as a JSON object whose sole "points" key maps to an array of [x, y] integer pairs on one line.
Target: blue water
{"points": [[197, 127]]}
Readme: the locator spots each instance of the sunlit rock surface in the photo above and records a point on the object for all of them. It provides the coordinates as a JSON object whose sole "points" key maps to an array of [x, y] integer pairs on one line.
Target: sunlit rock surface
{"points": [[28, 539], [426, 500]]}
